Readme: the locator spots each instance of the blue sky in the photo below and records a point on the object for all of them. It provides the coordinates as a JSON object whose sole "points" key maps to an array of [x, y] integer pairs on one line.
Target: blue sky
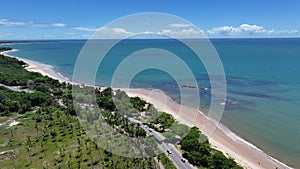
{"points": [[66, 19]]}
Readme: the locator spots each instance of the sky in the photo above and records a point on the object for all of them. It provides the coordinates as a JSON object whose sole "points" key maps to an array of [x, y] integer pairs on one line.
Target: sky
{"points": [[79, 19]]}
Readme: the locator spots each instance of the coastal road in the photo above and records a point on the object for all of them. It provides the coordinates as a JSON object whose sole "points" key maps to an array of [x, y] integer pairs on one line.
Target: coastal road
{"points": [[169, 149], [175, 156], [17, 88]]}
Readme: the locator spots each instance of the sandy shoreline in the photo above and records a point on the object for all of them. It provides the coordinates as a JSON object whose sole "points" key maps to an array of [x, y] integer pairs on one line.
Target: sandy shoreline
{"points": [[246, 155], [44, 69]]}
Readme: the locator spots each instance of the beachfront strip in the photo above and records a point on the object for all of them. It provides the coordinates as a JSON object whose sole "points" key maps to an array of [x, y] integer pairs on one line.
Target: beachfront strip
{"points": [[243, 154]]}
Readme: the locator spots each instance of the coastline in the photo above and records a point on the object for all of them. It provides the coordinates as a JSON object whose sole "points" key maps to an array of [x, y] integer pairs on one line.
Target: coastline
{"points": [[44, 69], [243, 152]]}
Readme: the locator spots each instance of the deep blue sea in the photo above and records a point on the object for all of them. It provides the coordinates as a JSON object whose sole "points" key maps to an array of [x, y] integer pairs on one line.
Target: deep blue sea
{"points": [[263, 81]]}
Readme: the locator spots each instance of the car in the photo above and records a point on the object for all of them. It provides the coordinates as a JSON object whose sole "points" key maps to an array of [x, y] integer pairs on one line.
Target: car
{"points": [[183, 160], [169, 152], [150, 130]]}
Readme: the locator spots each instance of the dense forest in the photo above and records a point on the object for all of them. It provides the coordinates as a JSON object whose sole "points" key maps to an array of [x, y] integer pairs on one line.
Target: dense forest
{"points": [[43, 124]]}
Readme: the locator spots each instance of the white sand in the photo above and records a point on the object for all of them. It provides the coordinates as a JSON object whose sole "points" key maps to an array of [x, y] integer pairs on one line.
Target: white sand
{"points": [[13, 123]]}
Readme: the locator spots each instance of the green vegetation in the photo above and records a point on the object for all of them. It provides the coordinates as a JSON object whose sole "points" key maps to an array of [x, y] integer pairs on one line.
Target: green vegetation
{"points": [[167, 163], [13, 74], [165, 121], [21, 102], [176, 132], [198, 152], [5, 49], [138, 103]]}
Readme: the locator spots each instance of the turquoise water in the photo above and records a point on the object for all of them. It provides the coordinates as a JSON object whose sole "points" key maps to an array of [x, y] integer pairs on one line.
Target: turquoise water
{"points": [[263, 80]]}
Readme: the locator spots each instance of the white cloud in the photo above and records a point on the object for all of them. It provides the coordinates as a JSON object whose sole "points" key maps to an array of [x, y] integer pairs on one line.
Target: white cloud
{"points": [[7, 22], [58, 25], [119, 31], [83, 28], [247, 30], [243, 29], [180, 25], [108, 32], [71, 33], [184, 33], [287, 32], [45, 36], [12, 23], [105, 32], [180, 30]]}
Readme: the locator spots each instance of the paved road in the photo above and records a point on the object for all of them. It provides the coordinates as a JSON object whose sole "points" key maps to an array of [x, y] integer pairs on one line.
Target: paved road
{"points": [[174, 154], [17, 88]]}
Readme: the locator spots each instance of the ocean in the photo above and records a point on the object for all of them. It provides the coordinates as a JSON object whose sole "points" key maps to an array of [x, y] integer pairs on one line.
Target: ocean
{"points": [[262, 75]]}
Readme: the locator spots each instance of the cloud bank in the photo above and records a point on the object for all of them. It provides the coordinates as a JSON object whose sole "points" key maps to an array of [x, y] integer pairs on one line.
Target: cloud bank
{"points": [[248, 31], [12, 23], [180, 25], [184, 31], [180, 30]]}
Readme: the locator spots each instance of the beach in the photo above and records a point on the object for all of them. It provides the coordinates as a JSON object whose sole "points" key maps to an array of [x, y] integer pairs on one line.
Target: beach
{"points": [[46, 70], [231, 145]]}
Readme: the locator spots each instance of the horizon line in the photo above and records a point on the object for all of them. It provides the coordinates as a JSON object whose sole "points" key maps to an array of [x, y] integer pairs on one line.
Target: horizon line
{"points": [[213, 38]]}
